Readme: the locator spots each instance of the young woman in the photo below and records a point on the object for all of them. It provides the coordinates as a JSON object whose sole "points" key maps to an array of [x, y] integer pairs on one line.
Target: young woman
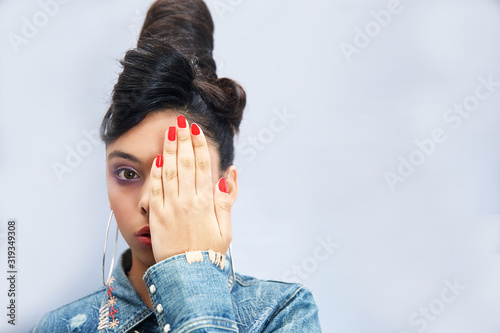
{"points": [[171, 185]]}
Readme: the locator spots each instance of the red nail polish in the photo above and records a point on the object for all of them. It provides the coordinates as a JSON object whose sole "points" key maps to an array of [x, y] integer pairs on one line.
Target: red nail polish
{"points": [[195, 129], [159, 160], [171, 133], [181, 121], [223, 185]]}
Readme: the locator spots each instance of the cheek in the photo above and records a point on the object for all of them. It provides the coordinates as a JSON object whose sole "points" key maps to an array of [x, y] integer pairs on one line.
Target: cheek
{"points": [[122, 202], [124, 217]]}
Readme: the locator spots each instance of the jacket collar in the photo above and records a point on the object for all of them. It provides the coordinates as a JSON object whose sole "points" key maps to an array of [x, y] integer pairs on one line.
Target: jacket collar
{"points": [[121, 306]]}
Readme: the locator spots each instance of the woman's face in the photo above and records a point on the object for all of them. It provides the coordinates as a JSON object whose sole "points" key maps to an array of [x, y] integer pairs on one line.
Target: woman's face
{"points": [[129, 160]]}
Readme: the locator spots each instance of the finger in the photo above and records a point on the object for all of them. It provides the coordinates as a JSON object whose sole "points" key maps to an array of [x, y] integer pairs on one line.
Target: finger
{"points": [[185, 159], [170, 180], [203, 179], [223, 203], [155, 186]]}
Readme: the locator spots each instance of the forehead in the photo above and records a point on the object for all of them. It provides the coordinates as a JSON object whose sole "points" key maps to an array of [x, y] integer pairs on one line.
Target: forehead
{"points": [[145, 140], [147, 136]]}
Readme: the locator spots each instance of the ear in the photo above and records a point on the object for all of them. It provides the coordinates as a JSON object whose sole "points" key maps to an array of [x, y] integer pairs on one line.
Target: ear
{"points": [[231, 175]]}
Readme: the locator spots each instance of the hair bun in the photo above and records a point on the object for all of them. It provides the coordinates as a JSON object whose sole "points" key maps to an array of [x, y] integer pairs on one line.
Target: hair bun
{"points": [[172, 68], [188, 26], [226, 97]]}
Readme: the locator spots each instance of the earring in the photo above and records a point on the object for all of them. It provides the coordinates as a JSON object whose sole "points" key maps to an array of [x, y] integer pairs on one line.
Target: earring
{"points": [[105, 282]]}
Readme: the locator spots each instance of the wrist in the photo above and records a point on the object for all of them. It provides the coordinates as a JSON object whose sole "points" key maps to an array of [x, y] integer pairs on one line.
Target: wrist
{"points": [[183, 291]]}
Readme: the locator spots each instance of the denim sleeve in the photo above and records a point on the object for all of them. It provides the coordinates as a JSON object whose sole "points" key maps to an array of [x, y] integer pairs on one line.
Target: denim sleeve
{"points": [[190, 297], [298, 314]]}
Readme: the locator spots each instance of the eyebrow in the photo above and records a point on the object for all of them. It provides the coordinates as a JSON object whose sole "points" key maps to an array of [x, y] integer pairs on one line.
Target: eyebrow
{"points": [[122, 154]]}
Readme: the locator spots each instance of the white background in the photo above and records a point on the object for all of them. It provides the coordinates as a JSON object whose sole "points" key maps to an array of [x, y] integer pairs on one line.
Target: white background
{"points": [[319, 177]]}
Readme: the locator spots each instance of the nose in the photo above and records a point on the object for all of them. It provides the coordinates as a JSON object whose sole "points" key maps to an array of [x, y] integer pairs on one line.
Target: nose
{"points": [[144, 200]]}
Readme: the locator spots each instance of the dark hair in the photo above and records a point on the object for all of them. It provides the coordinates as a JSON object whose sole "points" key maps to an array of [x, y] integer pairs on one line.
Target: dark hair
{"points": [[172, 68]]}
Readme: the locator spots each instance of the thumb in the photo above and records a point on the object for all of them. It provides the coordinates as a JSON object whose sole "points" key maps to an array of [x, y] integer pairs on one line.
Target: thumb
{"points": [[223, 204]]}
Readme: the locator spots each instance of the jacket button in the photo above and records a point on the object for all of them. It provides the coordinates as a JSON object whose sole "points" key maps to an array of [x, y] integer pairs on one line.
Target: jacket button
{"points": [[166, 329], [159, 308], [152, 289]]}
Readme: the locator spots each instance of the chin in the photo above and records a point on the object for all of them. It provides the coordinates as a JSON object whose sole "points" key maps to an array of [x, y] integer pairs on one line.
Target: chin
{"points": [[147, 258]]}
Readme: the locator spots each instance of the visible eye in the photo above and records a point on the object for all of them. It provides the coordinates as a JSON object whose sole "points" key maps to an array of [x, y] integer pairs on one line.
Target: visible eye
{"points": [[126, 174]]}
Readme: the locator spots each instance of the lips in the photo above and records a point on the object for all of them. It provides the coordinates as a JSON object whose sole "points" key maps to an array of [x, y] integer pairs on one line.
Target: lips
{"points": [[144, 231], [144, 236]]}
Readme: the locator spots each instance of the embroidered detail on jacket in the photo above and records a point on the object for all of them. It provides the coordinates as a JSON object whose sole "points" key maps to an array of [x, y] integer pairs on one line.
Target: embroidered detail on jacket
{"points": [[112, 301], [108, 310], [103, 317], [114, 323]]}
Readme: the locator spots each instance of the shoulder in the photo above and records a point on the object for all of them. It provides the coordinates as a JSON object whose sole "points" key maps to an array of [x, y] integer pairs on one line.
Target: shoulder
{"points": [[277, 290], [268, 302], [79, 315]]}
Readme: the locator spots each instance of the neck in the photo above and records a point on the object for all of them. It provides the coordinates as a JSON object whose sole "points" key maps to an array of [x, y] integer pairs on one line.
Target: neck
{"points": [[135, 276]]}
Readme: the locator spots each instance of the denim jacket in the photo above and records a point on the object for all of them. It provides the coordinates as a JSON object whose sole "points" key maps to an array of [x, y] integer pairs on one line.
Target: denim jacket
{"points": [[188, 297]]}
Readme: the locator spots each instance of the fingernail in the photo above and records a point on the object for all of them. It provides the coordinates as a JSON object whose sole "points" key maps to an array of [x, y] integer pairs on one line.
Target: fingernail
{"points": [[159, 160], [223, 185], [171, 133], [195, 129], [181, 121]]}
